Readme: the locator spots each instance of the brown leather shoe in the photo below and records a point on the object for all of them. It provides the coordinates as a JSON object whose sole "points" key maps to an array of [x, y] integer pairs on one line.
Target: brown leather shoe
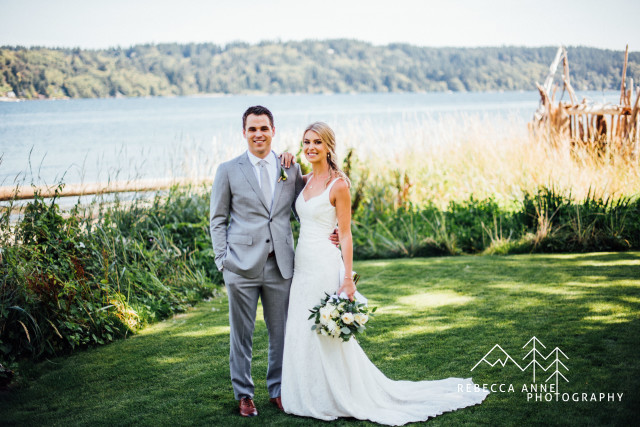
{"points": [[278, 402], [247, 407]]}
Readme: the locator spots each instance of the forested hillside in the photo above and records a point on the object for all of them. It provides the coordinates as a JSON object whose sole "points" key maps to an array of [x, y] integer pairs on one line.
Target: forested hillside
{"points": [[331, 66]]}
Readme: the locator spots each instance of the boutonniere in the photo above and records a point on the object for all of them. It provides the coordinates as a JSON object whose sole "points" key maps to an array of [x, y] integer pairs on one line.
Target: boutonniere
{"points": [[283, 175]]}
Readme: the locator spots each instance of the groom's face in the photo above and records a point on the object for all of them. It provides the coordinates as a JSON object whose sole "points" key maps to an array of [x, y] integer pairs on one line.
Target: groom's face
{"points": [[258, 133]]}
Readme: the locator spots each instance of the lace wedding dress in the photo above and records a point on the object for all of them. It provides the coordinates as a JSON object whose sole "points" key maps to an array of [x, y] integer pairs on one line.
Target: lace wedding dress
{"points": [[326, 378]]}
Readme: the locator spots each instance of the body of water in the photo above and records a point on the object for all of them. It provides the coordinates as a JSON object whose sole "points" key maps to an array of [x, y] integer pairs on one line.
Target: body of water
{"points": [[89, 140]]}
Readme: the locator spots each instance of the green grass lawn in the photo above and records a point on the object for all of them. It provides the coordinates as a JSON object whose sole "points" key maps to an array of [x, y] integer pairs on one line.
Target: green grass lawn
{"points": [[437, 318]]}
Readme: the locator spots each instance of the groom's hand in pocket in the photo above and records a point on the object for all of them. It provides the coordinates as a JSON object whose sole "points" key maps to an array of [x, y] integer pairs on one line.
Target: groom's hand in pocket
{"points": [[335, 238]]}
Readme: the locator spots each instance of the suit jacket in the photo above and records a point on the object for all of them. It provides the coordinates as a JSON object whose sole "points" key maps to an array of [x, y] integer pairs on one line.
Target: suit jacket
{"points": [[241, 224]]}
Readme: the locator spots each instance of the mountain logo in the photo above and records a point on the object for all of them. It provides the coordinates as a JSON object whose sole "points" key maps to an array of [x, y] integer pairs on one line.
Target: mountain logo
{"points": [[532, 360]]}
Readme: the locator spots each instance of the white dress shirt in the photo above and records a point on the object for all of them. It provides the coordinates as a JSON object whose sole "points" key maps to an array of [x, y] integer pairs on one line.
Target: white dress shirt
{"points": [[272, 168]]}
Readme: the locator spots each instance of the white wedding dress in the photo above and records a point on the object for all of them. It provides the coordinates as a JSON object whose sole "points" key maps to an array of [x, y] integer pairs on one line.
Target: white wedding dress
{"points": [[326, 378]]}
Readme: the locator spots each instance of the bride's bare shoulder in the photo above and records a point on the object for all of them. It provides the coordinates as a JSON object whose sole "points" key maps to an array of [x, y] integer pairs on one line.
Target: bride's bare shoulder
{"points": [[340, 190], [341, 184]]}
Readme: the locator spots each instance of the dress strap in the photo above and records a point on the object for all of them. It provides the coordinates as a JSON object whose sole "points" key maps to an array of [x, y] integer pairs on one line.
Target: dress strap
{"points": [[331, 184]]}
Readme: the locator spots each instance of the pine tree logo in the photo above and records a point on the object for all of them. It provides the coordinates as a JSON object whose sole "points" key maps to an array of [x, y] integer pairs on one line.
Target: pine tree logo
{"points": [[535, 358], [557, 363], [533, 353]]}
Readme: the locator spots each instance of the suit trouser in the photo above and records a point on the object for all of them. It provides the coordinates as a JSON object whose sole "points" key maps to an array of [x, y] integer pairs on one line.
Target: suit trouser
{"points": [[243, 293]]}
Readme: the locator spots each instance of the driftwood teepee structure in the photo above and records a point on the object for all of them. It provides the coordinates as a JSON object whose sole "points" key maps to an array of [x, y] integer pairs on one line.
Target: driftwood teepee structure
{"points": [[601, 126]]}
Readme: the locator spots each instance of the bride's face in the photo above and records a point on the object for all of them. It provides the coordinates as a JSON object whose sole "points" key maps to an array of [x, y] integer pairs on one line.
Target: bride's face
{"points": [[313, 147]]}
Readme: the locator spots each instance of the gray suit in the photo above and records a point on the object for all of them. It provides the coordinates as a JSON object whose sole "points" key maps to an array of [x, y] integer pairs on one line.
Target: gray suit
{"points": [[242, 229]]}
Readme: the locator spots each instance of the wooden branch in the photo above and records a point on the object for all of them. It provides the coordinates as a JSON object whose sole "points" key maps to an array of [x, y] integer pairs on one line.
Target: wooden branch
{"points": [[614, 128], [571, 127], [634, 116], [22, 193], [606, 125], [544, 104], [565, 77], [636, 107], [597, 109], [624, 76], [552, 70]]}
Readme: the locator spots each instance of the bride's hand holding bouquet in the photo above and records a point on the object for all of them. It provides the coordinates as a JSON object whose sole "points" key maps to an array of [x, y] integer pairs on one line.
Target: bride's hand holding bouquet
{"points": [[348, 287], [340, 316]]}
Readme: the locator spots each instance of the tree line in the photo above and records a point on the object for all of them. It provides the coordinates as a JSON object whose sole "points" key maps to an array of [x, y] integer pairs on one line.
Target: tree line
{"points": [[329, 66]]}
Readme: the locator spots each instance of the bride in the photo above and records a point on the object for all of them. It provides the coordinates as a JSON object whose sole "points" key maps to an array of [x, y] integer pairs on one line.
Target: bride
{"points": [[324, 377]]}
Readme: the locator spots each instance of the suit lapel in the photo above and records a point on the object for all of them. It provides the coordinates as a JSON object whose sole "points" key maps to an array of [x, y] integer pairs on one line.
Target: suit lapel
{"points": [[247, 169], [279, 185]]}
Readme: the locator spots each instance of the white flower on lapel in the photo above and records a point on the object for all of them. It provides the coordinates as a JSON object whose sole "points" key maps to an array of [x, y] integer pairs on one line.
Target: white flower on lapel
{"points": [[283, 175]]}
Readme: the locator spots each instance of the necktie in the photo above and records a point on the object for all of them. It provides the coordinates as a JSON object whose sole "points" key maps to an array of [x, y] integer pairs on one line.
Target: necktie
{"points": [[265, 182]]}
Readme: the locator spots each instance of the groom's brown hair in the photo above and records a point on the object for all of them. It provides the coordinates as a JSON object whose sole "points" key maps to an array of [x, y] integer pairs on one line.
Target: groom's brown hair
{"points": [[257, 110]]}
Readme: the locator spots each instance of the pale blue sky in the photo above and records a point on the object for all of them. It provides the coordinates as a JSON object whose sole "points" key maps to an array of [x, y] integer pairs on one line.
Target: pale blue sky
{"points": [[109, 23]]}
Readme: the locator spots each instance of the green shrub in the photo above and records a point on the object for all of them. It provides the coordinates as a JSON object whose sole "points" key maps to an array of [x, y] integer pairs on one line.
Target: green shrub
{"points": [[72, 280], [596, 224], [544, 222]]}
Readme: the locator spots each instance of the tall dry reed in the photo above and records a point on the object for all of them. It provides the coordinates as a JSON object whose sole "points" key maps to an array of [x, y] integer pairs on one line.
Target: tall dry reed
{"points": [[455, 157]]}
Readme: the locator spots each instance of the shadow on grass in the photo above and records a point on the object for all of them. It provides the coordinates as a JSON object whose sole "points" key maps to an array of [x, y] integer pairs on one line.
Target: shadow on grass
{"points": [[506, 301], [437, 318]]}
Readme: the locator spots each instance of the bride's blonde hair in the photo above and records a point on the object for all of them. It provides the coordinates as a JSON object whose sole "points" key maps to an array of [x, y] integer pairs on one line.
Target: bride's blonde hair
{"points": [[328, 138]]}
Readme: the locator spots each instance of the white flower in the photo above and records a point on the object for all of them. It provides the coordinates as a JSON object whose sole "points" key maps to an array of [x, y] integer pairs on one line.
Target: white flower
{"points": [[341, 306], [329, 307], [347, 318], [332, 326], [335, 314], [361, 319], [335, 332], [325, 316], [323, 331]]}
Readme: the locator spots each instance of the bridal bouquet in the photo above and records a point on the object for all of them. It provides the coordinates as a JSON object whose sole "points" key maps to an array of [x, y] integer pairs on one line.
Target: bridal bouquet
{"points": [[339, 317]]}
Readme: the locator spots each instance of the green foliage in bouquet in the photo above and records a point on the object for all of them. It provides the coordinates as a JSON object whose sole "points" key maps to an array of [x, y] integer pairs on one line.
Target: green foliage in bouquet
{"points": [[339, 317]]}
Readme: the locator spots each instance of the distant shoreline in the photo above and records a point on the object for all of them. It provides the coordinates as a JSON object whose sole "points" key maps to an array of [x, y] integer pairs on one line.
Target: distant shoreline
{"points": [[323, 67], [256, 93]]}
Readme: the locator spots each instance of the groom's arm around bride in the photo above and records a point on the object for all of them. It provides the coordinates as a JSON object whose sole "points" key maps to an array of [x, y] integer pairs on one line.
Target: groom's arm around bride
{"points": [[243, 231]]}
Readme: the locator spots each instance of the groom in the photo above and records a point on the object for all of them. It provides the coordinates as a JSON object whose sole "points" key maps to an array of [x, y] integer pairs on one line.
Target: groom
{"points": [[251, 202]]}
